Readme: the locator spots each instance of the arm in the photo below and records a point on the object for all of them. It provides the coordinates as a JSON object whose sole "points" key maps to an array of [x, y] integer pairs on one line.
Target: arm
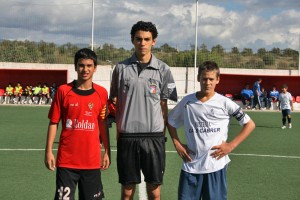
{"points": [[114, 95], [225, 148], [49, 157], [116, 102], [182, 149], [164, 109], [104, 138], [292, 105]]}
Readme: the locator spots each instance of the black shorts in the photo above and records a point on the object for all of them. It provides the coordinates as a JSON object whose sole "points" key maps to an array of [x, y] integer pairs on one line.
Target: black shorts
{"points": [[89, 184], [286, 112], [136, 152]]}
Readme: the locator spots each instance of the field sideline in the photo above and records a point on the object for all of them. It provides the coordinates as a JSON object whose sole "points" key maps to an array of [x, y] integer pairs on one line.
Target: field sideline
{"points": [[266, 166]]}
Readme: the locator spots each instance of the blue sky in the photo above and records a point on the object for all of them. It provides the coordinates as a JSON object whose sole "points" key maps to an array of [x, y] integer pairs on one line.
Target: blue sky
{"points": [[230, 23]]}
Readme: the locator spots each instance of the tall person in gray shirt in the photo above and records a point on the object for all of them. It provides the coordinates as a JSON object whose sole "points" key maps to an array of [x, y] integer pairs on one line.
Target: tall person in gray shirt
{"points": [[140, 88]]}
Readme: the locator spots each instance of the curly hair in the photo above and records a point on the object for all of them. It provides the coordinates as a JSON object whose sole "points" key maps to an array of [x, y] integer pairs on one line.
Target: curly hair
{"points": [[144, 26]]}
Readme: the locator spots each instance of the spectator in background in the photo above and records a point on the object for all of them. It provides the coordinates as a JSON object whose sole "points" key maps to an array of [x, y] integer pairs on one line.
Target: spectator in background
{"points": [[18, 91], [274, 95], [45, 94], [247, 97], [286, 106], [257, 93], [9, 93], [263, 98], [28, 94], [53, 89], [37, 92]]}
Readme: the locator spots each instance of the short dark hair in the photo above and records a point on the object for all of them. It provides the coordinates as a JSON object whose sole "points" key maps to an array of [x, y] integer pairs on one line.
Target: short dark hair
{"points": [[144, 26], [85, 53], [208, 66], [285, 86]]}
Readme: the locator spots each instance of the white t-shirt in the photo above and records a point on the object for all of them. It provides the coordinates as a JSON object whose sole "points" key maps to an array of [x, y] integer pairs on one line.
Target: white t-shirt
{"points": [[285, 99], [206, 125]]}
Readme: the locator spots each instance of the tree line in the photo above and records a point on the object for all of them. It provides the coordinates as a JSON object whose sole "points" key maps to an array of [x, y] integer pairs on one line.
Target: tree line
{"points": [[43, 52]]}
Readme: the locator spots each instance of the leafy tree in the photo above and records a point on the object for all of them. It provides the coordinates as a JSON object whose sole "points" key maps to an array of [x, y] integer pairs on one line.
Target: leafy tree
{"points": [[261, 52], [276, 51], [218, 49], [168, 49], [247, 52], [289, 52], [203, 48], [268, 59], [235, 50], [43, 52]]}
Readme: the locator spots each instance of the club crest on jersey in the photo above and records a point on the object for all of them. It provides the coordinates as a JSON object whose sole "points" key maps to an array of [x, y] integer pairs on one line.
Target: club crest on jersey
{"points": [[90, 105], [153, 89], [211, 113]]}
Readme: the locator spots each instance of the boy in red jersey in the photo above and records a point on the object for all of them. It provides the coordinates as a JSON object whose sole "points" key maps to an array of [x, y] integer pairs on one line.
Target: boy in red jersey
{"points": [[81, 107]]}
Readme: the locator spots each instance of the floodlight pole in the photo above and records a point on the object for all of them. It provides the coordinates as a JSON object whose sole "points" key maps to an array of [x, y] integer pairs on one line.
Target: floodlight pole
{"points": [[93, 20], [196, 45]]}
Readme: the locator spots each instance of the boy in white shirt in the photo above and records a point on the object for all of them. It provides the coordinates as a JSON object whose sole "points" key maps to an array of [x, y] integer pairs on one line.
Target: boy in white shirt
{"points": [[286, 105], [206, 116]]}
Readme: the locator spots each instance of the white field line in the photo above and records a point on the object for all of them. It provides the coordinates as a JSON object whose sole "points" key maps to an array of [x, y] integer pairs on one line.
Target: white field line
{"points": [[142, 189], [142, 185], [234, 154]]}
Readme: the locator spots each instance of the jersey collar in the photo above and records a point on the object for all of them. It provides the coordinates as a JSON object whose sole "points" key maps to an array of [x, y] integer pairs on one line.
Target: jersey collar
{"points": [[153, 62]]}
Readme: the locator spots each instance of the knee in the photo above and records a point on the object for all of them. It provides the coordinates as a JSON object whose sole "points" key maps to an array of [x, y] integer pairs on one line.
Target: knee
{"points": [[153, 191], [128, 192]]}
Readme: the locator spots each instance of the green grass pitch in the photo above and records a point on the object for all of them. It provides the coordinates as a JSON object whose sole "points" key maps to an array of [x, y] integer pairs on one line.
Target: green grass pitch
{"points": [[265, 167]]}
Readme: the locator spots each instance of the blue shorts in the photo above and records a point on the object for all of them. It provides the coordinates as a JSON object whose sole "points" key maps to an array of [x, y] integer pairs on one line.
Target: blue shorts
{"points": [[209, 186]]}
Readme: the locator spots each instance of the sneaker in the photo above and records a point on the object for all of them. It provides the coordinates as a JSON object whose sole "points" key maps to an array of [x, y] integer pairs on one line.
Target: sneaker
{"points": [[290, 125], [283, 127]]}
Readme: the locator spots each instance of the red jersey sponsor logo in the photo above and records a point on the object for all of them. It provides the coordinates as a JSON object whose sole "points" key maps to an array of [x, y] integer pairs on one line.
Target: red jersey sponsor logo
{"points": [[80, 125]]}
